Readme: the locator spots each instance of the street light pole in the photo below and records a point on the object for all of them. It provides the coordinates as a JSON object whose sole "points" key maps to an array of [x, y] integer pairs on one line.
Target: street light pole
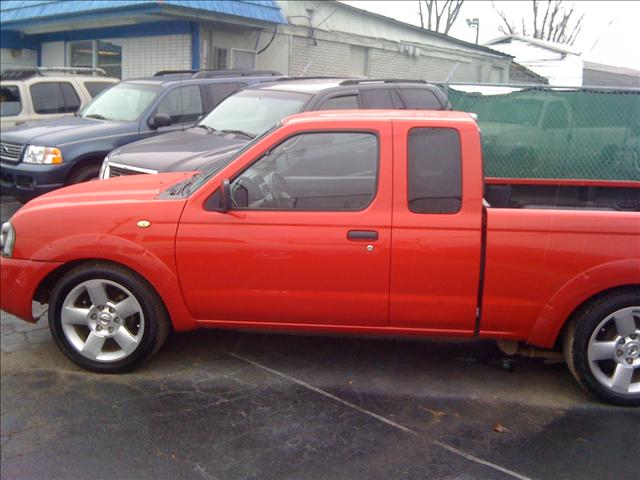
{"points": [[474, 23]]}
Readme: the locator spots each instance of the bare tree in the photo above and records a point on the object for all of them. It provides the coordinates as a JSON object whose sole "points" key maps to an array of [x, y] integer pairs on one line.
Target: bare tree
{"points": [[440, 14], [554, 21]]}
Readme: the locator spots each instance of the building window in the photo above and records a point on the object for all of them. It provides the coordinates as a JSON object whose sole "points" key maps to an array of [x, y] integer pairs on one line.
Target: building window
{"points": [[243, 59], [220, 58], [97, 53]]}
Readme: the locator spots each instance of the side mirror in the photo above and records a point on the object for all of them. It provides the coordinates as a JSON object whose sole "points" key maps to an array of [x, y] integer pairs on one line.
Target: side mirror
{"points": [[159, 120], [225, 196]]}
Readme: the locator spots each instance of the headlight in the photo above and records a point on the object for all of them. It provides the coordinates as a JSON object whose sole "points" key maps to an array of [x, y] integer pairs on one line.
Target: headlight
{"points": [[7, 239], [104, 169], [46, 155]]}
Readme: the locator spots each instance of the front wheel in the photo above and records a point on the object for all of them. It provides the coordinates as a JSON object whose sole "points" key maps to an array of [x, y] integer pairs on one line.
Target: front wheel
{"points": [[106, 318], [602, 347]]}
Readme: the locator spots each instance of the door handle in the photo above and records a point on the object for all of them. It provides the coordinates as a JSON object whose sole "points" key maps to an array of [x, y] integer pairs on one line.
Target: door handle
{"points": [[362, 235]]}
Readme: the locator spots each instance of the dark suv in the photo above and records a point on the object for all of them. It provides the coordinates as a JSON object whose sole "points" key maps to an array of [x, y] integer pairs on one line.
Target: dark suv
{"points": [[252, 111], [37, 157]]}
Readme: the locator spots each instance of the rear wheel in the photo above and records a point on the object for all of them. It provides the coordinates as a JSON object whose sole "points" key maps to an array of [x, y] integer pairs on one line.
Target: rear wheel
{"points": [[602, 347], [106, 318]]}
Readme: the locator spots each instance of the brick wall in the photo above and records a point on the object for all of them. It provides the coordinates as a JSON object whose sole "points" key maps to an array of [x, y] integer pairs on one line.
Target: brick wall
{"points": [[143, 56], [333, 58], [326, 58]]}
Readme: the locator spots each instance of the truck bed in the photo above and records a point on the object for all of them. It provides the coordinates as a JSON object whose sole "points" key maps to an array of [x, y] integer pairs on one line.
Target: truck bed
{"points": [[540, 259], [563, 194]]}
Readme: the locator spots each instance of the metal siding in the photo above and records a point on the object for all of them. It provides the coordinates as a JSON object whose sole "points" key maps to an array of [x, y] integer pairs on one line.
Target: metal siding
{"points": [[21, 11]]}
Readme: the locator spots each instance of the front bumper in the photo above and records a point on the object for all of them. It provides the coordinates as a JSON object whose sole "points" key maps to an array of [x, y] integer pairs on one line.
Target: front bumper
{"points": [[26, 180], [19, 280]]}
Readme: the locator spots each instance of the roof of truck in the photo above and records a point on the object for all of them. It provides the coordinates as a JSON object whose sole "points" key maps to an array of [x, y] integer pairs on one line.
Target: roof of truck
{"points": [[380, 115]]}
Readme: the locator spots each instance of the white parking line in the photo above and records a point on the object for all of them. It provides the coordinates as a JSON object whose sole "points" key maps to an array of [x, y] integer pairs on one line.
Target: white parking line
{"points": [[408, 430]]}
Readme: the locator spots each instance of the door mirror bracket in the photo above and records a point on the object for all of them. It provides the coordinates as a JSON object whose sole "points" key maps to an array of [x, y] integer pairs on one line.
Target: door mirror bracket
{"points": [[225, 196]]}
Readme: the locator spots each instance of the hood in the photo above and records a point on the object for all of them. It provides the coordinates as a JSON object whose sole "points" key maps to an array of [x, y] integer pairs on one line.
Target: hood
{"points": [[134, 188], [63, 130], [184, 151]]}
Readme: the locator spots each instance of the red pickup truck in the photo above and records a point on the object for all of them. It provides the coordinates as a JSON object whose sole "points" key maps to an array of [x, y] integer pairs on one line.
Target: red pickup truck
{"points": [[369, 222]]}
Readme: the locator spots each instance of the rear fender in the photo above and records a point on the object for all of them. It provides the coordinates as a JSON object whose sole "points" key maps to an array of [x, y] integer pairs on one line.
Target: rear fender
{"points": [[575, 292]]}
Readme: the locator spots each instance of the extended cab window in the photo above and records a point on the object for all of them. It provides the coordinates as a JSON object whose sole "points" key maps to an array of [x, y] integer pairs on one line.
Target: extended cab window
{"points": [[312, 171], [434, 170], [184, 104], [10, 103], [54, 97]]}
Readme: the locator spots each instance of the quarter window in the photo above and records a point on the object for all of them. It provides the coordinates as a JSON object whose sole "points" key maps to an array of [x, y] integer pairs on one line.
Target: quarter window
{"points": [[329, 171], [10, 103], [420, 99], [219, 91], [183, 104], [434, 170], [54, 97], [94, 88]]}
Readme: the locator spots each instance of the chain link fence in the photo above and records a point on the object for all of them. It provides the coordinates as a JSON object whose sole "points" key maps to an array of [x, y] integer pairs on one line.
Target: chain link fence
{"points": [[554, 132]]}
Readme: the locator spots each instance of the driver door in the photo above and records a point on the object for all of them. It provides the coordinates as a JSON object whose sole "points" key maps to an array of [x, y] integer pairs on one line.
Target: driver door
{"points": [[307, 241]]}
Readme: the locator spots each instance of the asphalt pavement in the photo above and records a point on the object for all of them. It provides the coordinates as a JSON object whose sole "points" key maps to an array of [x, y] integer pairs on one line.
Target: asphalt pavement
{"points": [[237, 405]]}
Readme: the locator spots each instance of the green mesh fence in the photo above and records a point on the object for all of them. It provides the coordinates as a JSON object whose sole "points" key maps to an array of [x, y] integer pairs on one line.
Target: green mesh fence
{"points": [[543, 132]]}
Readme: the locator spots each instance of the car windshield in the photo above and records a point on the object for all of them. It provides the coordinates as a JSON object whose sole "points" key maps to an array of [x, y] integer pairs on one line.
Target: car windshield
{"points": [[123, 103], [253, 111], [224, 160]]}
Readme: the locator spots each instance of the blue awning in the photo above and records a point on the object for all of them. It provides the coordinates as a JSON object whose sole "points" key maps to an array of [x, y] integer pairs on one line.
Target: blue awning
{"points": [[15, 14]]}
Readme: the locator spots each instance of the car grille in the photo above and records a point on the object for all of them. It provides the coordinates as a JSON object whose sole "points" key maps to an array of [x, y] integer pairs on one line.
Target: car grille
{"points": [[119, 170], [10, 152]]}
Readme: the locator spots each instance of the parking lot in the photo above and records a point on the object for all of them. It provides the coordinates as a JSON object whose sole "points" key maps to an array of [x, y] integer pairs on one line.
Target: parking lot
{"points": [[238, 405]]}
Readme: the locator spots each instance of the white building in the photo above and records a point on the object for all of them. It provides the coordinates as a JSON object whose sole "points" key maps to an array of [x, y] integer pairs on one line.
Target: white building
{"points": [[560, 64]]}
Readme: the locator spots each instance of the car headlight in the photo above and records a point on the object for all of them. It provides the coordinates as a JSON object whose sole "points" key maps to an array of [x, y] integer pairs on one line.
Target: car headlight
{"points": [[104, 169], [43, 155], [7, 239]]}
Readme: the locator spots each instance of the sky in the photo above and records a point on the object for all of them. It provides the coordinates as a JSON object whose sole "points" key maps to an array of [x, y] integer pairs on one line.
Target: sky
{"points": [[610, 32]]}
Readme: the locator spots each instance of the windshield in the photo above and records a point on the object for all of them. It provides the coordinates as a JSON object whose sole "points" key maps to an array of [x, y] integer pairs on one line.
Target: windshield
{"points": [[225, 159], [124, 103], [253, 111]]}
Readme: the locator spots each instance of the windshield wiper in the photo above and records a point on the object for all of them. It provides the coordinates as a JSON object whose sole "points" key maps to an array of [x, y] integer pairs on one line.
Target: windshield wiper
{"points": [[206, 127], [239, 132], [179, 188], [97, 116]]}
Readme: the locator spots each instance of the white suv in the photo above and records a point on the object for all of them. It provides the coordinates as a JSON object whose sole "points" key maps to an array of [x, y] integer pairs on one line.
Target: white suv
{"points": [[42, 93]]}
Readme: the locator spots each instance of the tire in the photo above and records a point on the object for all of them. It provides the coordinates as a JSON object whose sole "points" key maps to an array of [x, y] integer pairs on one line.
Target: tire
{"points": [[106, 318], [602, 347], [84, 174]]}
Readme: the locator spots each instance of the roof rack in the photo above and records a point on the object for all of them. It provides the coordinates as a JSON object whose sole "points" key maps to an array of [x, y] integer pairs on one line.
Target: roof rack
{"points": [[316, 77], [358, 81], [236, 73], [218, 73], [28, 72], [161, 73]]}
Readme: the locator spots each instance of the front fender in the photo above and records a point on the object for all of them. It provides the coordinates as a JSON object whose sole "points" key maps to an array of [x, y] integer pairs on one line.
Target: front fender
{"points": [[575, 292], [157, 267]]}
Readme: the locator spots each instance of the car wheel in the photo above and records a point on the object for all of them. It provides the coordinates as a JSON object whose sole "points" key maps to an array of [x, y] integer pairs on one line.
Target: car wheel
{"points": [[84, 174], [106, 318], [602, 347]]}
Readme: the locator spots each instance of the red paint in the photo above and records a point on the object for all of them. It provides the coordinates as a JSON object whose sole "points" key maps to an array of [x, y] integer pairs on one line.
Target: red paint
{"points": [[298, 270]]}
